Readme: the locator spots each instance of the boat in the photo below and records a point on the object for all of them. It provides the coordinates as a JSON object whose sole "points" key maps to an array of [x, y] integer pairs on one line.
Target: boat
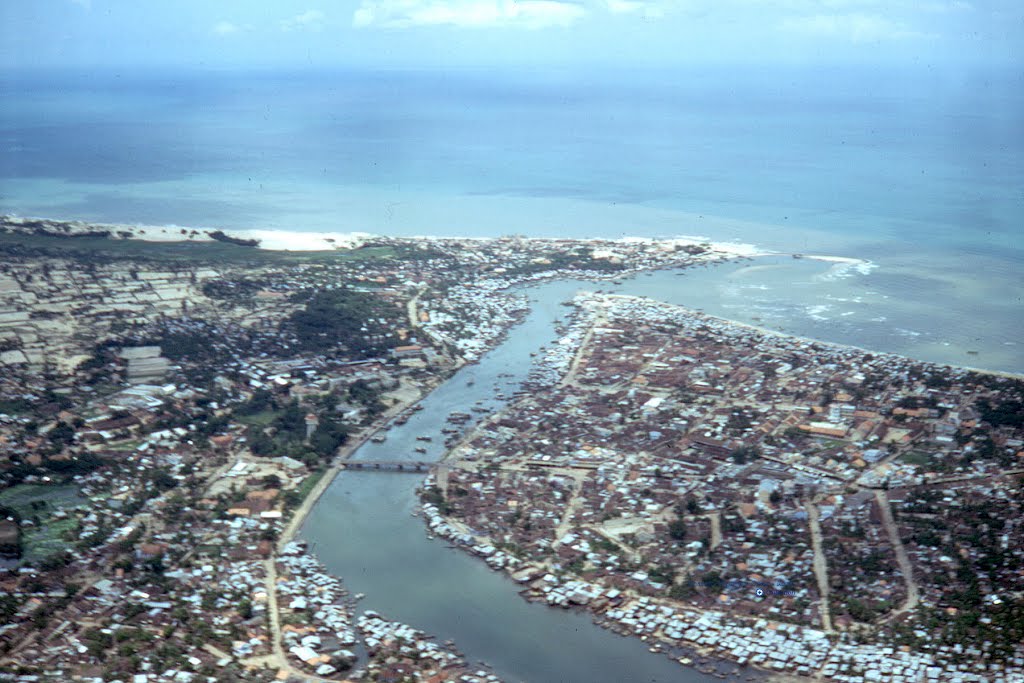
{"points": [[379, 439], [417, 407], [420, 449], [424, 438]]}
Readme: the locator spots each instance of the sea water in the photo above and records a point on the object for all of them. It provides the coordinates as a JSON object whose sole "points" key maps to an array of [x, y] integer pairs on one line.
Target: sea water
{"points": [[918, 172]]}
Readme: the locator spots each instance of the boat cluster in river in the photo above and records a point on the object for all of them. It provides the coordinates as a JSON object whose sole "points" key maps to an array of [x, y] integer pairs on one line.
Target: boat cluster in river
{"points": [[401, 652], [551, 367], [494, 557], [319, 629]]}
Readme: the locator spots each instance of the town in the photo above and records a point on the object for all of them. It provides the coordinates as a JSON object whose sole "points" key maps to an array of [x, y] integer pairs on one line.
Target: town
{"points": [[171, 410], [802, 507]]}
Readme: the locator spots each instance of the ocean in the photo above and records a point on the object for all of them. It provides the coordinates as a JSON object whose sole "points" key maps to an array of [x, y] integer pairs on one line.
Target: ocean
{"points": [[919, 172]]}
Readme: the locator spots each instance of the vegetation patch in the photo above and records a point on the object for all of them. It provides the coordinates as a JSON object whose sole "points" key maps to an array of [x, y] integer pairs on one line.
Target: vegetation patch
{"points": [[346, 317]]}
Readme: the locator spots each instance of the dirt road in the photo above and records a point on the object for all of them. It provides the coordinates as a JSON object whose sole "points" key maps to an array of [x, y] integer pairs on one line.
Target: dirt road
{"points": [[913, 593], [820, 566]]}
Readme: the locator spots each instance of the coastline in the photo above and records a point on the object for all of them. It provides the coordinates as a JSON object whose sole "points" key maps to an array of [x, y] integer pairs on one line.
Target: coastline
{"points": [[482, 544], [811, 340], [308, 241]]}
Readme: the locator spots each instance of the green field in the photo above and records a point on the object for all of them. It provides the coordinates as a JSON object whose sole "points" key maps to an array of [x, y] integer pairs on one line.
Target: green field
{"points": [[303, 490], [917, 458], [46, 537], [210, 253], [22, 496], [261, 419], [129, 445]]}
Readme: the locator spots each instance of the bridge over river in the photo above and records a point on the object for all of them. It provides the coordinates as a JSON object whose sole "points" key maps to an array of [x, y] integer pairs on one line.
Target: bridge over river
{"points": [[388, 465]]}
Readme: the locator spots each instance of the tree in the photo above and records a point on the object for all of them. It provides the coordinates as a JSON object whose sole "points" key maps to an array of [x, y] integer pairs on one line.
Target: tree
{"points": [[745, 453], [328, 436], [163, 480], [362, 392], [342, 316], [61, 435], [291, 422], [677, 529]]}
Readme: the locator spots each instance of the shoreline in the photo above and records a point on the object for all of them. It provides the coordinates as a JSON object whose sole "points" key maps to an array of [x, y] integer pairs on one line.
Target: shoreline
{"points": [[312, 241], [326, 242], [810, 340]]}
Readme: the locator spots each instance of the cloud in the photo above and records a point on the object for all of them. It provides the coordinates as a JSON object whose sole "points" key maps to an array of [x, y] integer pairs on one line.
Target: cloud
{"points": [[645, 8], [856, 28], [310, 20], [226, 28], [532, 14]]}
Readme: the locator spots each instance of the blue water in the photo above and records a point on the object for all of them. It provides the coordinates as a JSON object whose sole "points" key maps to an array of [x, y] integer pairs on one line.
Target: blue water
{"points": [[919, 171]]}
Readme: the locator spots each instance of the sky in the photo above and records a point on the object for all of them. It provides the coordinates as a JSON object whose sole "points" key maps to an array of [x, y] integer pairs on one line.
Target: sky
{"points": [[422, 33]]}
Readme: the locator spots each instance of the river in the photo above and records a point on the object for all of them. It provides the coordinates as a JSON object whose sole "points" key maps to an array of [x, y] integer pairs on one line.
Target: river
{"points": [[363, 530]]}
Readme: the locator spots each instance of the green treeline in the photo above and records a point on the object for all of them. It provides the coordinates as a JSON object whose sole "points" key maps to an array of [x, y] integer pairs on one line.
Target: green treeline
{"points": [[347, 317]]}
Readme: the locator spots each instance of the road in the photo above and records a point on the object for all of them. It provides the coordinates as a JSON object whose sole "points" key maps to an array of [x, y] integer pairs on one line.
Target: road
{"points": [[569, 379], [716, 528], [411, 310], [278, 658], [913, 594], [820, 566]]}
